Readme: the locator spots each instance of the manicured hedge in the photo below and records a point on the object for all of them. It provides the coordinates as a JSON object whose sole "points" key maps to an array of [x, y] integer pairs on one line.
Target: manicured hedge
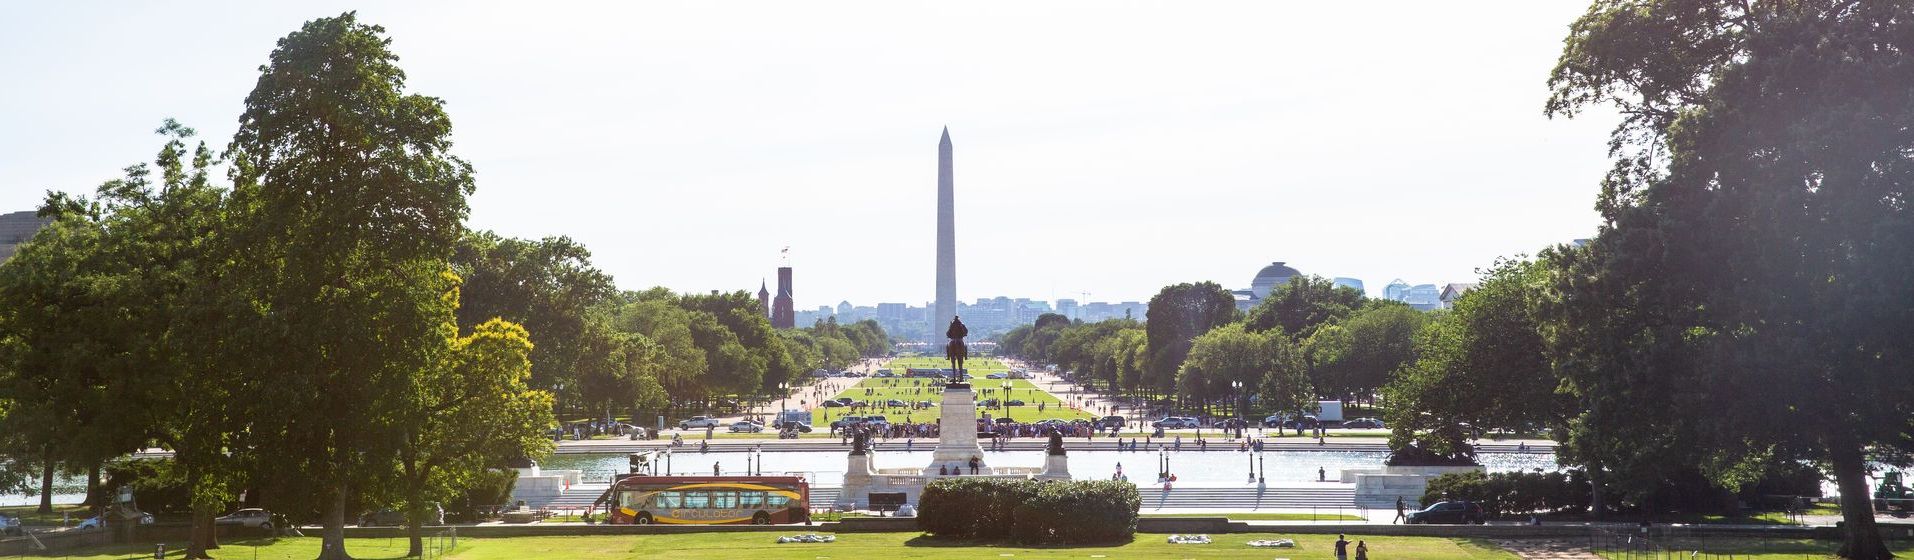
{"points": [[1509, 493], [1030, 512]]}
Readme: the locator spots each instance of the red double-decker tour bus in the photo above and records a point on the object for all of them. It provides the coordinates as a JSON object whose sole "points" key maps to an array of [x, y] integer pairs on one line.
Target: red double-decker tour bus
{"points": [[686, 500]]}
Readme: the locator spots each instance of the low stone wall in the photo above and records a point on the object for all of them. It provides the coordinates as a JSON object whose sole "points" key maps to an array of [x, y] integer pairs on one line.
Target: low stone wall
{"points": [[1180, 525], [871, 525]]}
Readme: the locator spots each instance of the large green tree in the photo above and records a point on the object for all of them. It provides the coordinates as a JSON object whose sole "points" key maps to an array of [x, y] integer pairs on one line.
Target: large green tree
{"points": [[1302, 304], [1266, 364], [550, 287], [351, 206], [471, 411], [1356, 356], [1770, 143], [1177, 315], [1480, 364]]}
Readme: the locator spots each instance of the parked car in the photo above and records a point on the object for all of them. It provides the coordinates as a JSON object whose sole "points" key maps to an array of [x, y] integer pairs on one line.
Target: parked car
{"points": [[895, 402], [96, 522], [1108, 422], [1450, 512], [1173, 422], [9, 526], [249, 517], [698, 422], [987, 403], [1368, 423], [746, 426], [879, 420], [847, 421], [995, 376], [1013, 402], [387, 517], [834, 404], [843, 401], [1299, 423]]}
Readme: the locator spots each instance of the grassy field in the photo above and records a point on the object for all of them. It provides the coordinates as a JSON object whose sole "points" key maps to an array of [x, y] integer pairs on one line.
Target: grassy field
{"points": [[916, 390], [728, 546], [1747, 549], [978, 367], [30, 514]]}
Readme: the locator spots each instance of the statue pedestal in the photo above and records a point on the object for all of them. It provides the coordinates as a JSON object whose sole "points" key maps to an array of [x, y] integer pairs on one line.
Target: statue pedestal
{"points": [[1055, 467], [957, 430], [857, 482]]}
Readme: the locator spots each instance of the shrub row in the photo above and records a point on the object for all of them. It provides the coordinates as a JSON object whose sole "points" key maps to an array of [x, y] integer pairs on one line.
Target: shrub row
{"points": [[1030, 512], [1506, 493]]}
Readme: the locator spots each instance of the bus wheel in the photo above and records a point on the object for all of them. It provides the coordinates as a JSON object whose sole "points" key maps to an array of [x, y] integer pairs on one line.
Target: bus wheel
{"points": [[644, 518], [761, 518]]}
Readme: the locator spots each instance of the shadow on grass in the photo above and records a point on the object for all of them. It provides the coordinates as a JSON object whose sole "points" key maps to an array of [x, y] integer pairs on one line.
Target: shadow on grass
{"points": [[927, 541]]}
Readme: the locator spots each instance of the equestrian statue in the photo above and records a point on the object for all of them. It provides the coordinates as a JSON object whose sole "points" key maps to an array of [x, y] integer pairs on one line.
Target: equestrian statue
{"points": [[956, 351]]}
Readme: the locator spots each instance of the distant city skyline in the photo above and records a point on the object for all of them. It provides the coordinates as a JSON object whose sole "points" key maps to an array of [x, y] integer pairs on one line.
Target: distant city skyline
{"points": [[1109, 150]]}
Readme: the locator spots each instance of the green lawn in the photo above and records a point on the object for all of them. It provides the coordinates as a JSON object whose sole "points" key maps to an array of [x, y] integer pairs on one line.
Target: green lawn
{"points": [[1750, 549], [915, 390], [729, 546], [978, 367], [30, 515]]}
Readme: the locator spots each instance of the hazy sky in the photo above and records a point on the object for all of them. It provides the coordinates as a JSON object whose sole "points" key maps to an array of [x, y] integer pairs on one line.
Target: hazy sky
{"points": [[1107, 148]]}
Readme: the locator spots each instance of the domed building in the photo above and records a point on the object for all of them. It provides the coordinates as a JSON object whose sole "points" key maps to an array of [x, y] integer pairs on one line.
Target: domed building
{"points": [[1267, 279]]}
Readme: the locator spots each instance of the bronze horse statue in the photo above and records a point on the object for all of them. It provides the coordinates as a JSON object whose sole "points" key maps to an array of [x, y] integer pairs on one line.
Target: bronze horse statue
{"points": [[956, 351]]}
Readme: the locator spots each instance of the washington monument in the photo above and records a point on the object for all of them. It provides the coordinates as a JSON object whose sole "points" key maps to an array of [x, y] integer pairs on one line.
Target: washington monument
{"points": [[946, 239]]}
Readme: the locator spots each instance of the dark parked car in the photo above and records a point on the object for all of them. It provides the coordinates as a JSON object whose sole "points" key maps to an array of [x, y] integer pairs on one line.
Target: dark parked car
{"points": [[1366, 423], [1302, 423], [1013, 402], [844, 401], [847, 421], [1450, 512], [1110, 422]]}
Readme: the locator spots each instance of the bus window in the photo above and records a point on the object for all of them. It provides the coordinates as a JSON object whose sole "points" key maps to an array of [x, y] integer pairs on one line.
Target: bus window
{"points": [[776, 500], [697, 499], [669, 499], [751, 499], [631, 499], [724, 499]]}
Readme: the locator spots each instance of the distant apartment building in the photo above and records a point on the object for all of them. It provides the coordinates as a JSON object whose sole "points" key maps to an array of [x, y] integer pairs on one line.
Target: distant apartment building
{"points": [[17, 228]]}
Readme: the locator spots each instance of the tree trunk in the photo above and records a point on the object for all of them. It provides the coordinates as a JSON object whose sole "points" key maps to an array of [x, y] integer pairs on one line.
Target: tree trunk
{"points": [[1863, 540], [1595, 502], [415, 535], [46, 486], [332, 543], [93, 497], [205, 535]]}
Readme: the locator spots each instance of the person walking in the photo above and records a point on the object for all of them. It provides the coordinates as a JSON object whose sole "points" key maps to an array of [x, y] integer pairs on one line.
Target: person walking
{"points": [[1322, 475], [714, 468], [1342, 548], [1400, 516], [1362, 550]]}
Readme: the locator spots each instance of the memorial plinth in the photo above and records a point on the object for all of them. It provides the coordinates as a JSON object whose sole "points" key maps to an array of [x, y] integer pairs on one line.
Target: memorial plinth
{"points": [[956, 447], [957, 431]]}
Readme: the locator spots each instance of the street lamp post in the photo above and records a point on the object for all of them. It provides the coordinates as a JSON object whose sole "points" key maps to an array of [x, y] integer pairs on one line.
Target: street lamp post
{"points": [[1005, 400], [1262, 468], [1244, 397], [667, 461]]}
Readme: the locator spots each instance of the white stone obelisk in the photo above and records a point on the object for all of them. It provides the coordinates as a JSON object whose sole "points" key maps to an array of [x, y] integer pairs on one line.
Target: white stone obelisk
{"points": [[946, 304]]}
